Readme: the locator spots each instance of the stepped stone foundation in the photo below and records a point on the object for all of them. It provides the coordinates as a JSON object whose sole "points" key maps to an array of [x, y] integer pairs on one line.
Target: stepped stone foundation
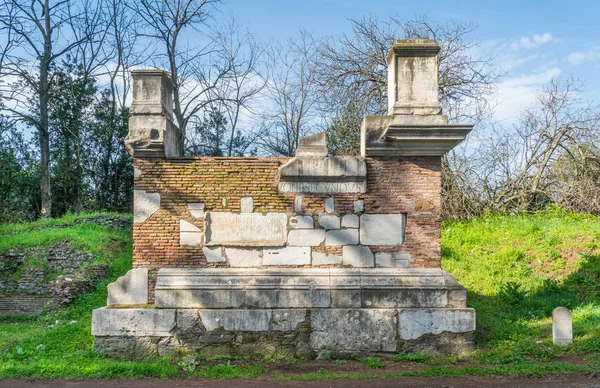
{"points": [[245, 256]]}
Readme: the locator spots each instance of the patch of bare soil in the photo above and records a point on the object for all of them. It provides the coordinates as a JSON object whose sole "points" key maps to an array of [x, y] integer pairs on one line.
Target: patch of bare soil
{"points": [[579, 380]]}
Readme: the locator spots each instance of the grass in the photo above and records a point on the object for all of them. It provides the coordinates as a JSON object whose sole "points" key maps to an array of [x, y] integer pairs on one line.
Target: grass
{"points": [[517, 269]]}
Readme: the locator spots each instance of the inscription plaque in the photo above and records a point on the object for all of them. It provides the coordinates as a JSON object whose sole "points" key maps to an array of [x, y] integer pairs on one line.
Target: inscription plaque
{"points": [[246, 229], [323, 187]]}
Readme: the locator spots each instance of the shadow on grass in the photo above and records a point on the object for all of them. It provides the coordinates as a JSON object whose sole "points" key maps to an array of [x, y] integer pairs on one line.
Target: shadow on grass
{"points": [[520, 319]]}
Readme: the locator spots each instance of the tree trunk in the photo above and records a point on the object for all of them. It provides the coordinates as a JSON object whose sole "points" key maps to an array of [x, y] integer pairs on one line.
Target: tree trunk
{"points": [[44, 135], [44, 127]]}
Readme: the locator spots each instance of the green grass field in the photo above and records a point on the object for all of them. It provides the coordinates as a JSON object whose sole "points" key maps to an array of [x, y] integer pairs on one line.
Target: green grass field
{"points": [[517, 269]]}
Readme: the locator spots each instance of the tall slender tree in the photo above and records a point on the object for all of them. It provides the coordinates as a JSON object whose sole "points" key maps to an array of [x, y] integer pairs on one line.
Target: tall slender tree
{"points": [[38, 40]]}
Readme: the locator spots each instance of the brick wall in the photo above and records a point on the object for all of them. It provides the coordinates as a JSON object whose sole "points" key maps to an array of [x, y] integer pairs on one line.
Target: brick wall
{"points": [[395, 185]]}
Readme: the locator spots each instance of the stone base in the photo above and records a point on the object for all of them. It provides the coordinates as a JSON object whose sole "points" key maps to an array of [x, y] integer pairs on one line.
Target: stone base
{"points": [[142, 333], [293, 313], [308, 288]]}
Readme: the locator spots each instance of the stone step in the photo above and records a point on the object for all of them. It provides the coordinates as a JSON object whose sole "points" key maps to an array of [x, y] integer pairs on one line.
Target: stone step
{"points": [[307, 288]]}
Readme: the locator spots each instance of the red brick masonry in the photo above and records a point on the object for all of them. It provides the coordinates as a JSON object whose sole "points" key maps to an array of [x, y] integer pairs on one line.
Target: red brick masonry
{"points": [[409, 185]]}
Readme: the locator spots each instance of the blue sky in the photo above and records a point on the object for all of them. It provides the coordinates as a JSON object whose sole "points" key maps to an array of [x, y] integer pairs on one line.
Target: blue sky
{"points": [[531, 40]]}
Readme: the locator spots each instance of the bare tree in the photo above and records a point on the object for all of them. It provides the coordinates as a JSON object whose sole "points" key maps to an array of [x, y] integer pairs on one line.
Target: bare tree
{"points": [[121, 45], [352, 68], [233, 97], [550, 156], [291, 94], [192, 73], [37, 40], [352, 71]]}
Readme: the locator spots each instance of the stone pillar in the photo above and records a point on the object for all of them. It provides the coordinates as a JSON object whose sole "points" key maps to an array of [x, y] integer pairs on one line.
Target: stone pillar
{"points": [[414, 125], [413, 66], [152, 132]]}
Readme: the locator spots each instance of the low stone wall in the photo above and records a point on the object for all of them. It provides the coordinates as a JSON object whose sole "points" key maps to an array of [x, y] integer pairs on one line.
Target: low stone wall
{"points": [[24, 304], [142, 333], [29, 290]]}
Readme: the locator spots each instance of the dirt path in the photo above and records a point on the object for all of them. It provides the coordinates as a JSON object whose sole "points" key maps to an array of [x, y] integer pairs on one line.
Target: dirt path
{"points": [[574, 380]]}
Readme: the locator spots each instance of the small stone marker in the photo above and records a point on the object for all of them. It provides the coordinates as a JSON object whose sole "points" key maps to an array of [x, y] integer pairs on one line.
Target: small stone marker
{"points": [[562, 326]]}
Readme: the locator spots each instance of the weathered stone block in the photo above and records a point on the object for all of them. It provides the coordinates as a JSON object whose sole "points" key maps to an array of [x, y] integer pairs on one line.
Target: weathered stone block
{"points": [[287, 320], [170, 347], [330, 205], [245, 320], [350, 221], [359, 206], [327, 221], [131, 288], [185, 226], [358, 256], [194, 298], [346, 298], [306, 237], [190, 238], [457, 298], [189, 322], [189, 234], [298, 204], [384, 259], [261, 297], [414, 323], [403, 297], [413, 78], [402, 260], [302, 222], [246, 229], [196, 209], [240, 257], [341, 237], [126, 347], [213, 254], [144, 205], [312, 146], [382, 229], [333, 175], [353, 330], [439, 344], [246, 205], [286, 256], [303, 298], [319, 258], [133, 322], [236, 320]]}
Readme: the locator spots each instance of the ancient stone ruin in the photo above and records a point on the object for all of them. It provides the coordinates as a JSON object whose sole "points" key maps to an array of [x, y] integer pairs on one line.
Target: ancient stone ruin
{"points": [[243, 256]]}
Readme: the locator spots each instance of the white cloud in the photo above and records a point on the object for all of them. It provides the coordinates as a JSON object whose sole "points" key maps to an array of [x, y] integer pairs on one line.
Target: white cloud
{"points": [[509, 62], [531, 42], [517, 93], [579, 57]]}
